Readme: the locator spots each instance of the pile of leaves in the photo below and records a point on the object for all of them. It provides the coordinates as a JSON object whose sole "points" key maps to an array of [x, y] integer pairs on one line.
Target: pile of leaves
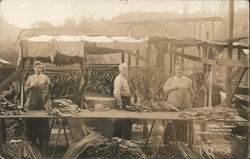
{"points": [[114, 148], [63, 107], [151, 106], [210, 114], [9, 108], [13, 149]]}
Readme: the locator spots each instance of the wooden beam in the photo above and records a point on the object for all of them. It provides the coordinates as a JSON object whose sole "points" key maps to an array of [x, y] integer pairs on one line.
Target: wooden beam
{"points": [[222, 62], [230, 52], [243, 91], [233, 63], [137, 56], [242, 72]]}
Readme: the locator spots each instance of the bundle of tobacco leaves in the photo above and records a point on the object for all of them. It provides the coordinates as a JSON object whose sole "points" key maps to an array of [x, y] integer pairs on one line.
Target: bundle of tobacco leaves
{"points": [[200, 84], [63, 107], [151, 106], [147, 83], [9, 108], [210, 113], [114, 148]]}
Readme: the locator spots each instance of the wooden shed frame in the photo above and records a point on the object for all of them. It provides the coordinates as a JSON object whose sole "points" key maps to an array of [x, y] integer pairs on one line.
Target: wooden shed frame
{"points": [[173, 46]]}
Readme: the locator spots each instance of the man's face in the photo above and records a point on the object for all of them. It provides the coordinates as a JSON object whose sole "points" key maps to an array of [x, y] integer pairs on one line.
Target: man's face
{"points": [[124, 71], [38, 69], [178, 70]]}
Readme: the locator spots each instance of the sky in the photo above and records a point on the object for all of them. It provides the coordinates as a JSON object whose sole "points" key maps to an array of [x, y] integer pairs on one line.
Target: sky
{"points": [[23, 13]]}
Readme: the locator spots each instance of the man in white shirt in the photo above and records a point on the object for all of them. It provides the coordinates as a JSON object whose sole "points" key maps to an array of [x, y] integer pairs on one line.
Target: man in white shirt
{"points": [[121, 88], [122, 127]]}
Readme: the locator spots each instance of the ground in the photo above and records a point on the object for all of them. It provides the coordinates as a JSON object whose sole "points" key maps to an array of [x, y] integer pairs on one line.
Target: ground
{"points": [[220, 146]]}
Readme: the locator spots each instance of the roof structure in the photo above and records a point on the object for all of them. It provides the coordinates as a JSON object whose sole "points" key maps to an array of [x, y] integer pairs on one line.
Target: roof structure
{"points": [[75, 47]]}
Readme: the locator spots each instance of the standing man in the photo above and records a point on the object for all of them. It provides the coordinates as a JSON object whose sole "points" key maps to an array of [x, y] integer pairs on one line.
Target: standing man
{"points": [[122, 127], [37, 87]]}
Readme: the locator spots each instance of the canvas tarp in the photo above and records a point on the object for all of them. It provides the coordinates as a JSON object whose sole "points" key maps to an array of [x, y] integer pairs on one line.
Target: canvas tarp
{"points": [[49, 46]]}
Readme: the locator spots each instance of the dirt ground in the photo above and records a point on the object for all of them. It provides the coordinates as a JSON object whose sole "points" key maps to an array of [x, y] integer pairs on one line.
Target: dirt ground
{"points": [[220, 146]]}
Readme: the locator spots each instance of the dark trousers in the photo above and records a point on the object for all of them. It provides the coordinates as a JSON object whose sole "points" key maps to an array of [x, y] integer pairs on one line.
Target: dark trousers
{"points": [[183, 130], [123, 127]]}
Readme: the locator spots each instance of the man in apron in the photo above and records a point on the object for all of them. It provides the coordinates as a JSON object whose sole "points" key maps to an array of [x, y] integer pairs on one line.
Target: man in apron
{"points": [[122, 127]]}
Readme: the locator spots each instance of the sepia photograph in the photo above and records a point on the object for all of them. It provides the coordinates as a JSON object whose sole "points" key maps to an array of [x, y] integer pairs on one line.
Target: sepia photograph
{"points": [[124, 79]]}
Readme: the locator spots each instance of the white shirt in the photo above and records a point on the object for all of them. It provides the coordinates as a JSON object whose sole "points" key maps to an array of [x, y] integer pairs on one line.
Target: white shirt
{"points": [[121, 88]]}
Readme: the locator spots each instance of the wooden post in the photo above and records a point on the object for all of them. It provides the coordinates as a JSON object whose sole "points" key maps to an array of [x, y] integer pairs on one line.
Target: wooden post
{"points": [[145, 128], [1, 137], [204, 57], [182, 58], [194, 29], [171, 59], [230, 51], [136, 63], [200, 31], [205, 71], [207, 35], [175, 56], [210, 81], [212, 30], [137, 59], [238, 80], [148, 54], [129, 59], [123, 54], [239, 53]]}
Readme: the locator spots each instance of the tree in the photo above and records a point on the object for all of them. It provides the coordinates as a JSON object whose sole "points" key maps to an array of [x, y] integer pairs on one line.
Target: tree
{"points": [[41, 24]]}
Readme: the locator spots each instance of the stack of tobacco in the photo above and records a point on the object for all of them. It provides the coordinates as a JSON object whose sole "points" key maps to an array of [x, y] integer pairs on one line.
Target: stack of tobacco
{"points": [[184, 150], [63, 107], [9, 108], [15, 150], [114, 148], [151, 106], [210, 113], [200, 84], [101, 80]]}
